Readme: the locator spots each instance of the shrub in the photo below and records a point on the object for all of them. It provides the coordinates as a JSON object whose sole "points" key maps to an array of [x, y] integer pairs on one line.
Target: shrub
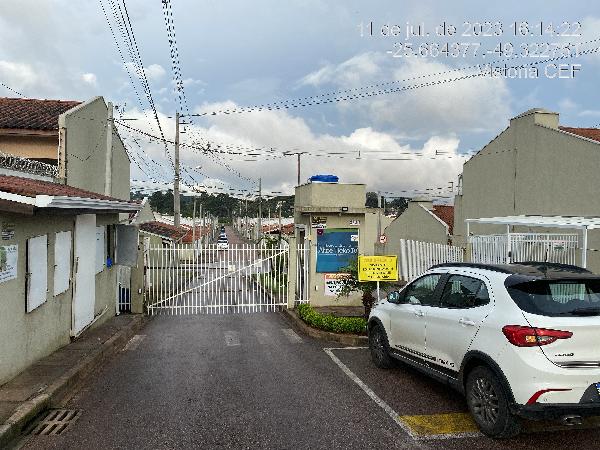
{"points": [[328, 322]]}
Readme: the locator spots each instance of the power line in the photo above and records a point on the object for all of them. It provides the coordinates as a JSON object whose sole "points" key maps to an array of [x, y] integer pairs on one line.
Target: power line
{"points": [[355, 93], [12, 90]]}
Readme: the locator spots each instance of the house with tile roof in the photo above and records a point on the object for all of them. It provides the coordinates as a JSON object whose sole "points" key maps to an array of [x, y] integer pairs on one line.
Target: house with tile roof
{"points": [[59, 250], [535, 166], [74, 143], [420, 221]]}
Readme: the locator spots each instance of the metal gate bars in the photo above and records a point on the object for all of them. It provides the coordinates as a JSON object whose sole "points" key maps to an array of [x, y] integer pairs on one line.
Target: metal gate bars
{"points": [[182, 279]]}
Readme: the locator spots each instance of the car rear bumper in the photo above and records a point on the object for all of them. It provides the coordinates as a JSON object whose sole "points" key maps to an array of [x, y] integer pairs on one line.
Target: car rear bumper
{"points": [[540, 411]]}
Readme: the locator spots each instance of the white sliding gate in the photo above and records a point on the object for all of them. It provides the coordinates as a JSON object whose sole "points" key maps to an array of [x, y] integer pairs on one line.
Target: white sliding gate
{"points": [[515, 247], [416, 257], [182, 279]]}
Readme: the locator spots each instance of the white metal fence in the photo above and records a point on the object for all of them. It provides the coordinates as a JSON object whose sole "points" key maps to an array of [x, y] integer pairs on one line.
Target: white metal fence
{"points": [[242, 279], [416, 257], [124, 288], [515, 247], [302, 273]]}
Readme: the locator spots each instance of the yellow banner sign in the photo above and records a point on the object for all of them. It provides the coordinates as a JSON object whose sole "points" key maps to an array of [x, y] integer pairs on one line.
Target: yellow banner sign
{"points": [[378, 268]]}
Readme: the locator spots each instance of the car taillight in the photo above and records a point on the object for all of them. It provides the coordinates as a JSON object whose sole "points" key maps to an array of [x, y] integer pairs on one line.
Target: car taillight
{"points": [[531, 336]]}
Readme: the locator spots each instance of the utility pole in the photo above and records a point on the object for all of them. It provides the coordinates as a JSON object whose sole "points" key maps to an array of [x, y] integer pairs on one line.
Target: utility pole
{"points": [[378, 215], [280, 229], [194, 225], [299, 168], [176, 205], [108, 161], [259, 221]]}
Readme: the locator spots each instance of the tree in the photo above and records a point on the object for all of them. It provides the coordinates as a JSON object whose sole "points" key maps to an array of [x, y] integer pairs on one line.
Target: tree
{"points": [[351, 284]]}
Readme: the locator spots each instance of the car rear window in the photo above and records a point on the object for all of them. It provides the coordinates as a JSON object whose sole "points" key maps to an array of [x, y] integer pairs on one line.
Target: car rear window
{"points": [[558, 298]]}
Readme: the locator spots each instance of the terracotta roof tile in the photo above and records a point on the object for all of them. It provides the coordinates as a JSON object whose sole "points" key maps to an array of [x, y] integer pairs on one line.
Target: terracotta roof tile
{"points": [[31, 114], [164, 229], [446, 214], [590, 133], [30, 188]]}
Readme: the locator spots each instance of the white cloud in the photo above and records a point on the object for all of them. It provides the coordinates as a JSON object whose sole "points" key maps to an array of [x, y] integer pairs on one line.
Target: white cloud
{"points": [[470, 105], [155, 72], [90, 78], [421, 166], [19, 76], [567, 104]]}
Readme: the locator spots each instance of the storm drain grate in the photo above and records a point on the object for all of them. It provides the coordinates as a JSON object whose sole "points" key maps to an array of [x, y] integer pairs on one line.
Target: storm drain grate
{"points": [[56, 422]]}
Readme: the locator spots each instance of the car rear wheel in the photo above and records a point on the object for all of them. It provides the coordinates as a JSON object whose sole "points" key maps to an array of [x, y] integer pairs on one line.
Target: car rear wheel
{"points": [[489, 404], [380, 349]]}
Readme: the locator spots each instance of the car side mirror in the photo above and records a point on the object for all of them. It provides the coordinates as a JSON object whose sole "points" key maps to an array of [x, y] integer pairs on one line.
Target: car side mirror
{"points": [[393, 297]]}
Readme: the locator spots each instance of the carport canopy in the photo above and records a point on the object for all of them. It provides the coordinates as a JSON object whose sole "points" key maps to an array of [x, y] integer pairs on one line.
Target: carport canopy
{"points": [[573, 222]]}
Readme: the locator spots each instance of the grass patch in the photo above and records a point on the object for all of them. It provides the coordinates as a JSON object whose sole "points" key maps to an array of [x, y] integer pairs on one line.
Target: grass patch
{"points": [[328, 322]]}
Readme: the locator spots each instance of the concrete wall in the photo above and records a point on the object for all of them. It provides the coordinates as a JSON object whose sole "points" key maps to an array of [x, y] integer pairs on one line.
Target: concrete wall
{"points": [[330, 195], [418, 223], [326, 200], [27, 337], [84, 130], [531, 168], [145, 214], [30, 146]]}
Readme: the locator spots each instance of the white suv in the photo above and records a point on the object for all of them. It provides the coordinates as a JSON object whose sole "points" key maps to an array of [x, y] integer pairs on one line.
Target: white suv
{"points": [[519, 340]]}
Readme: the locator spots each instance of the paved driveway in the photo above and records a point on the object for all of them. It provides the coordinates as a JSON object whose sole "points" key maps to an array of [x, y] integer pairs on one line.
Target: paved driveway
{"points": [[249, 381]]}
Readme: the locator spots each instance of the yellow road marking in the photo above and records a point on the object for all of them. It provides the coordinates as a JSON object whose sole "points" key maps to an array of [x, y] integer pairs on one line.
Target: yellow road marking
{"points": [[432, 424]]}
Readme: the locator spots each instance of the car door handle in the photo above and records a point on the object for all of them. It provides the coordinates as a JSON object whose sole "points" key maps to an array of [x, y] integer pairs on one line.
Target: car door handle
{"points": [[419, 313], [466, 322]]}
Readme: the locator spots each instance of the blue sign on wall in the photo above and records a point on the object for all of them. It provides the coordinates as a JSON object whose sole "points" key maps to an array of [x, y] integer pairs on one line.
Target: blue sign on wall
{"points": [[336, 247]]}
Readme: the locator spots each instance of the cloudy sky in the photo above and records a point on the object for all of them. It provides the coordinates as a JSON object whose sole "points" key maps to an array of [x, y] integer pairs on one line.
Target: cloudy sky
{"points": [[349, 109]]}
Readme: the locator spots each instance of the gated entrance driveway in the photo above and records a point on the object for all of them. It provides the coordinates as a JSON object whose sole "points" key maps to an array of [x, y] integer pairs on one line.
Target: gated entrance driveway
{"points": [[248, 381]]}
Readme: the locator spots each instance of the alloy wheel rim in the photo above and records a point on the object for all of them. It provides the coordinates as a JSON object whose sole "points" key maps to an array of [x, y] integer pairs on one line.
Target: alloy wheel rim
{"points": [[485, 401], [378, 344]]}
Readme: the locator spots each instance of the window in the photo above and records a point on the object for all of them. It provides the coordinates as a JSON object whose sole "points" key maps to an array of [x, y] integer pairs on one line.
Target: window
{"points": [[558, 298], [62, 261], [464, 292], [100, 249], [37, 271], [421, 291]]}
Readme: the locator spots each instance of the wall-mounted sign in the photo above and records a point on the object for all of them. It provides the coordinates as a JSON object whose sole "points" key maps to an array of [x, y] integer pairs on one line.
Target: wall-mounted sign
{"points": [[333, 283], [8, 230], [355, 222], [336, 247], [378, 268], [8, 262], [319, 222]]}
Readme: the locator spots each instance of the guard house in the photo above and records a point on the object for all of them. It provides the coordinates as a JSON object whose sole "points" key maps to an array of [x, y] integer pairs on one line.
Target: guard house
{"points": [[332, 226]]}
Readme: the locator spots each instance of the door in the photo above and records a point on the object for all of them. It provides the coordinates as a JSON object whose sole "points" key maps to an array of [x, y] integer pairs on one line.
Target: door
{"points": [[84, 269], [452, 325], [408, 316]]}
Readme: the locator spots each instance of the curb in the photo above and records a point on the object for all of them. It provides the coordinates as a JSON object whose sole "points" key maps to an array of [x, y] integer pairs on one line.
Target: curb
{"points": [[354, 340], [58, 390]]}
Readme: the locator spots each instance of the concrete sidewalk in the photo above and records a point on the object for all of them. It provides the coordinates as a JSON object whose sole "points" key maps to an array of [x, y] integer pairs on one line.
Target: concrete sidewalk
{"points": [[46, 383]]}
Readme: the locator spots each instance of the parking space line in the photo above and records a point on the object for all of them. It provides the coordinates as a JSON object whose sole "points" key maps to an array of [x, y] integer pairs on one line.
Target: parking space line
{"points": [[378, 401], [406, 423], [441, 424]]}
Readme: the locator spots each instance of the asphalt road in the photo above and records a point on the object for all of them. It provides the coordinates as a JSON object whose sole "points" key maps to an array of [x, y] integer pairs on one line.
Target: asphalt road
{"points": [[247, 381]]}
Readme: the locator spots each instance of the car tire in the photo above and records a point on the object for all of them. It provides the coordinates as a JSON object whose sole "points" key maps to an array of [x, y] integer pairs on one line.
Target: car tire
{"points": [[379, 347], [488, 403]]}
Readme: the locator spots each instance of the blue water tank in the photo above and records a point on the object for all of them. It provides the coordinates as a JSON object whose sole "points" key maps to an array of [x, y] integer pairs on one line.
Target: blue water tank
{"points": [[324, 179]]}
